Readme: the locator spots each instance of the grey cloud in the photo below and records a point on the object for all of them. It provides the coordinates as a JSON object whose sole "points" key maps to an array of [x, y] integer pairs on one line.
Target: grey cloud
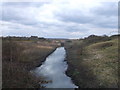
{"points": [[17, 12], [74, 16], [76, 28], [107, 9], [24, 4], [106, 24], [9, 15], [104, 15]]}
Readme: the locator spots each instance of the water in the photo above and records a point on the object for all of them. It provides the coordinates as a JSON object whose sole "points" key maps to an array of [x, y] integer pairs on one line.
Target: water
{"points": [[54, 69]]}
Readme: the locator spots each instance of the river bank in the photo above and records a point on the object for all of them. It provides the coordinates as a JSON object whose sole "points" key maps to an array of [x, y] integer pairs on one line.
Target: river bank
{"points": [[53, 65], [38, 62], [19, 57], [93, 62]]}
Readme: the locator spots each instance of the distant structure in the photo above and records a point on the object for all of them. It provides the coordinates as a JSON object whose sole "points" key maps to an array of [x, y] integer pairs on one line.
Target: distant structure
{"points": [[34, 37], [41, 38]]}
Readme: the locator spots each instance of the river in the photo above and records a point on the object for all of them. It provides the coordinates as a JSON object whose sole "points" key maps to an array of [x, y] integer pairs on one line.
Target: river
{"points": [[54, 68]]}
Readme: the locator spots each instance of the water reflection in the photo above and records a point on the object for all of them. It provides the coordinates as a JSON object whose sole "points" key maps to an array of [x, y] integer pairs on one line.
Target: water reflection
{"points": [[54, 69]]}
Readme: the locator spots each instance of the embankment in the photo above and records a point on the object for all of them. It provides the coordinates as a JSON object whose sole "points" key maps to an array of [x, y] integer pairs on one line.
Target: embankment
{"points": [[93, 62], [19, 57]]}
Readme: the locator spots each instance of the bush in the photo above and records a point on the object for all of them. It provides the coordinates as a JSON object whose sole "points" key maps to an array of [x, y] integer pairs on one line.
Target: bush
{"points": [[94, 39]]}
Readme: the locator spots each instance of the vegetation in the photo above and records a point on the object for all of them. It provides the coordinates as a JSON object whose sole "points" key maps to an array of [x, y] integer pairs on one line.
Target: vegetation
{"points": [[93, 61], [19, 56]]}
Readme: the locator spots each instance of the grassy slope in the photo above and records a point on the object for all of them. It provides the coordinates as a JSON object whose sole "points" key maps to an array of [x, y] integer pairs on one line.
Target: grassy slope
{"points": [[93, 65], [26, 55], [104, 62]]}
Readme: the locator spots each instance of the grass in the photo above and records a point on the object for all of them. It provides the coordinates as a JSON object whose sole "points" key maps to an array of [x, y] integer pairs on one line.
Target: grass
{"points": [[15, 76], [19, 57], [104, 62], [93, 65], [35, 54]]}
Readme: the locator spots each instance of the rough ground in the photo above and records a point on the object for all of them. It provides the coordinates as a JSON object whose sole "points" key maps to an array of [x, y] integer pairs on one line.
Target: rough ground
{"points": [[19, 57], [93, 65]]}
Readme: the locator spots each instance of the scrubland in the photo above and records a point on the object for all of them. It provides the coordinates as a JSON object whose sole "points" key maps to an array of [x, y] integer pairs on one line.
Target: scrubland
{"points": [[93, 61], [21, 56]]}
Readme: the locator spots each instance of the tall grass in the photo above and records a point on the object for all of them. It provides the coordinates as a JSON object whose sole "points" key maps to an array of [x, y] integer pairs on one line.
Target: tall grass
{"points": [[19, 57], [93, 62]]}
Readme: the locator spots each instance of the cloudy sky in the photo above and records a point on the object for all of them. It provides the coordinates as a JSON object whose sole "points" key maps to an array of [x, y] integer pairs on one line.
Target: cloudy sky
{"points": [[59, 18]]}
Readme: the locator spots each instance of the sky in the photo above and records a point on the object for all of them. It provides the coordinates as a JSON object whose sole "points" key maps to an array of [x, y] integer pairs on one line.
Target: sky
{"points": [[59, 18]]}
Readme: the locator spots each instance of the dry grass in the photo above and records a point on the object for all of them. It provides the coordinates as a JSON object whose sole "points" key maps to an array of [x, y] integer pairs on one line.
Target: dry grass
{"points": [[93, 65], [15, 76], [19, 57], [103, 61]]}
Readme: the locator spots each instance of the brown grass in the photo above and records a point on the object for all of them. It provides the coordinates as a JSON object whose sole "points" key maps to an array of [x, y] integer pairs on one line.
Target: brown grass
{"points": [[93, 65], [19, 57]]}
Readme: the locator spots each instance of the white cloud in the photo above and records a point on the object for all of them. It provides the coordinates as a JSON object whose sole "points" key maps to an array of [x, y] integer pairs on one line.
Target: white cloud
{"points": [[13, 29], [59, 18]]}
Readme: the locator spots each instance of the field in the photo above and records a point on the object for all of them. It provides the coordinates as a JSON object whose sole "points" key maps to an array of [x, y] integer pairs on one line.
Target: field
{"points": [[93, 61], [21, 56]]}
